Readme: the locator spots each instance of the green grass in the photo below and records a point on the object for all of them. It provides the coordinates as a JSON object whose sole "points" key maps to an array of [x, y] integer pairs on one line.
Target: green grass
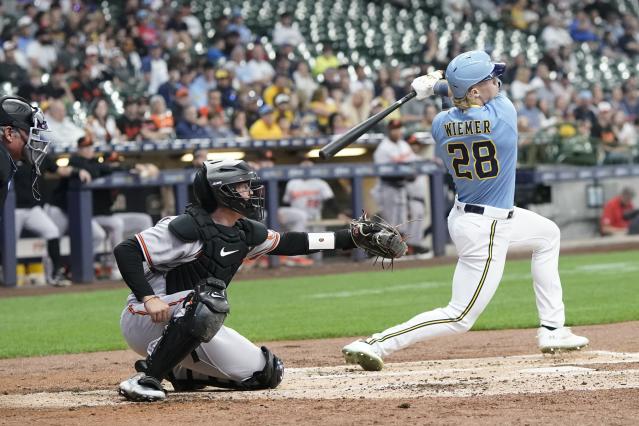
{"points": [[599, 288]]}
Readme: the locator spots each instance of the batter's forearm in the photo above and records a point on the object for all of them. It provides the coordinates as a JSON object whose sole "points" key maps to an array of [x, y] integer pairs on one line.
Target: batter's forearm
{"points": [[130, 260]]}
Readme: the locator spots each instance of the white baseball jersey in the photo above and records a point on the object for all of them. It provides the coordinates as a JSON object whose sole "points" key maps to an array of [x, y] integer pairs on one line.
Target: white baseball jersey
{"points": [[308, 195], [393, 152]]}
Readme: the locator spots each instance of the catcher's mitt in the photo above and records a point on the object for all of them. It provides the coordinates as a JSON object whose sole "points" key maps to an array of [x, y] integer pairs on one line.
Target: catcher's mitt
{"points": [[378, 238]]}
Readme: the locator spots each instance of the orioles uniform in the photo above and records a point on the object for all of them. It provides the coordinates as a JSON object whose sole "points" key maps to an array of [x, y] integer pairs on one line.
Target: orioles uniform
{"points": [[478, 145]]}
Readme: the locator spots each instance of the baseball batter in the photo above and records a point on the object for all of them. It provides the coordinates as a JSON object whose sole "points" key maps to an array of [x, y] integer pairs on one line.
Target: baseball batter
{"points": [[178, 272], [477, 140]]}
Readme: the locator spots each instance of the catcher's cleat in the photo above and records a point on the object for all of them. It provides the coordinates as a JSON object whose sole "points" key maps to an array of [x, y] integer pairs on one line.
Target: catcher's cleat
{"points": [[363, 354], [142, 388], [560, 339]]}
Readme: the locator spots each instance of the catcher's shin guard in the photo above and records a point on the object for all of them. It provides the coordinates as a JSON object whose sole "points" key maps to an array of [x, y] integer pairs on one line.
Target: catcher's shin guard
{"points": [[206, 311], [268, 378]]}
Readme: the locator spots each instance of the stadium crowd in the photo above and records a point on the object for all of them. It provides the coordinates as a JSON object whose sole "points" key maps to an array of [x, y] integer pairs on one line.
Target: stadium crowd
{"points": [[153, 72]]}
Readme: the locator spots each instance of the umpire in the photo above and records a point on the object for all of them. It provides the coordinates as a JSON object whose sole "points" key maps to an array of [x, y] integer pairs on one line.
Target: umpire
{"points": [[23, 134]]}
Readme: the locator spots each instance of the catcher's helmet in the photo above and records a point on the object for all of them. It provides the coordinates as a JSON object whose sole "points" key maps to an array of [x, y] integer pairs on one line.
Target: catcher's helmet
{"points": [[470, 68], [214, 185]]}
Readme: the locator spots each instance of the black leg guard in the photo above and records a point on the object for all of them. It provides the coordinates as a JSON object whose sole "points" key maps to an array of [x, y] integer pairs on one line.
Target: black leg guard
{"points": [[206, 311], [268, 378]]}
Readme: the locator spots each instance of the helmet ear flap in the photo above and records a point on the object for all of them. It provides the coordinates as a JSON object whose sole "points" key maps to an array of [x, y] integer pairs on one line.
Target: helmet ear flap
{"points": [[203, 192]]}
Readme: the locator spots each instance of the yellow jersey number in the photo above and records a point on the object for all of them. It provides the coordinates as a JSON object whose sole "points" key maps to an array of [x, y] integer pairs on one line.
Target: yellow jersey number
{"points": [[484, 155]]}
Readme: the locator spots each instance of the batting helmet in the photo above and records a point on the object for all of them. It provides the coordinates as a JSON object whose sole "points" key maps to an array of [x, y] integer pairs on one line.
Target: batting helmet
{"points": [[215, 185], [470, 68]]}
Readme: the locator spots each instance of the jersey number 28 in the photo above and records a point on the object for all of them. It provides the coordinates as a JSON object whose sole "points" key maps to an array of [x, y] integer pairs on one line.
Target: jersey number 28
{"points": [[485, 164]]}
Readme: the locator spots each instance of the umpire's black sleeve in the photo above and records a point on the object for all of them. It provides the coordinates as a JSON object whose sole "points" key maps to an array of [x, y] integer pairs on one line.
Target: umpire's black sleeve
{"points": [[130, 259]]}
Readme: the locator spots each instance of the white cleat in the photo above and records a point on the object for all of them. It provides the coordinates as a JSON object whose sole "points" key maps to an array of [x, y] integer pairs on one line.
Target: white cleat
{"points": [[561, 339], [363, 354], [148, 391]]}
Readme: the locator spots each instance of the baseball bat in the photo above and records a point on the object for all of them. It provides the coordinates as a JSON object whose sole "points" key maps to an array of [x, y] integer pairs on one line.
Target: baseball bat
{"points": [[333, 147]]}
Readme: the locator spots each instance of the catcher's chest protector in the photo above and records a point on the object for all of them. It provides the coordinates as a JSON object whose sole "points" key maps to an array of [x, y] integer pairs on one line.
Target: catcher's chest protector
{"points": [[224, 250]]}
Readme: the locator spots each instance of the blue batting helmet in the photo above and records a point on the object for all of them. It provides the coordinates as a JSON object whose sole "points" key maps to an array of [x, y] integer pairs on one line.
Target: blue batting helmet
{"points": [[470, 68]]}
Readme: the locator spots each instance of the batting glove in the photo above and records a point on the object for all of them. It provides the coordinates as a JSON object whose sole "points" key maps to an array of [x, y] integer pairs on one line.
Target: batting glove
{"points": [[423, 85]]}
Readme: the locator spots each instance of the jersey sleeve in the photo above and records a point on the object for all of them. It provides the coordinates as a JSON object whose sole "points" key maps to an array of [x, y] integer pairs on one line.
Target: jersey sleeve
{"points": [[436, 131], [161, 247], [326, 191], [271, 242]]}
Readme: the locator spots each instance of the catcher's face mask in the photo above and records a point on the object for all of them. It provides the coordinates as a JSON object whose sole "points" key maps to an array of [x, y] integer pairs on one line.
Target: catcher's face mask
{"points": [[23, 118]]}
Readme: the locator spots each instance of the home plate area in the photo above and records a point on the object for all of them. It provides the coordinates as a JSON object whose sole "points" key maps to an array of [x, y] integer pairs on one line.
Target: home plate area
{"points": [[580, 371]]}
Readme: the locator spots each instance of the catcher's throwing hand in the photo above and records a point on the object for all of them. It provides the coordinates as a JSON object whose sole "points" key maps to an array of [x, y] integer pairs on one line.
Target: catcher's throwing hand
{"points": [[378, 238], [159, 310]]}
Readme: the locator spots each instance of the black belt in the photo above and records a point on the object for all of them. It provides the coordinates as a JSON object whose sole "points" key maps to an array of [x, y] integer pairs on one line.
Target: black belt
{"points": [[472, 208]]}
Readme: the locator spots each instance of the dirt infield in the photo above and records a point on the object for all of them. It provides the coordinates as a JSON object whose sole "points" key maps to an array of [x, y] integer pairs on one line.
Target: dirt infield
{"points": [[485, 377]]}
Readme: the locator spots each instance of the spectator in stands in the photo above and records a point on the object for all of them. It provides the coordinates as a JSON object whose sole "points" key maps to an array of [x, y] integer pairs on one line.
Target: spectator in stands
{"points": [[456, 9], [214, 104], [102, 125], [386, 99], [554, 35], [521, 85], [118, 225], [217, 127], [26, 33], [188, 127], [337, 123], [625, 132], [161, 119], [57, 86], [286, 31], [10, 70], [169, 88], [36, 217], [604, 131], [356, 108], [546, 88], [630, 103], [325, 61], [629, 41], [85, 88], [266, 127], [304, 83], [530, 110], [322, 107], [41, 52], [238, 124], [281, 85], [523, 16], [283, 108], [224, 85], [619, 216], [155, 69], [581, 28], [238, 66], [261, 70], [201, 86], [584, 109], [129, 123], [216, 49], [63, 130], [237, 25]]}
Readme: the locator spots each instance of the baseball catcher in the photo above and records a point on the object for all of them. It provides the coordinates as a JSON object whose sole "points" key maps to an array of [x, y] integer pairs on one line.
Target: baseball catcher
{"points": [[179, 270]]}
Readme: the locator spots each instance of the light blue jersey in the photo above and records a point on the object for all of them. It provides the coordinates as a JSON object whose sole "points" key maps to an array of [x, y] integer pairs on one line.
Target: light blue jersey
{"points": [[479, 148]]}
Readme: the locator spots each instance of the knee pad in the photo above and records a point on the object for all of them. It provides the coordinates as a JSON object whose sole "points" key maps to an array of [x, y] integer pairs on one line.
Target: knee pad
{"points": [[270, 376], [208, 309]]}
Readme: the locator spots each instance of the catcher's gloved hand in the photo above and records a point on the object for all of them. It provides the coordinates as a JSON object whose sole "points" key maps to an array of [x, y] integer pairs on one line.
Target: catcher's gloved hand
{"points": [[377, 238]]}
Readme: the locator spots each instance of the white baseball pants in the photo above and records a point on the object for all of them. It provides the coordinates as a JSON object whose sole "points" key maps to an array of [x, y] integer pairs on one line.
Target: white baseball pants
{"points": [[482, 242], [228, 356]]}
